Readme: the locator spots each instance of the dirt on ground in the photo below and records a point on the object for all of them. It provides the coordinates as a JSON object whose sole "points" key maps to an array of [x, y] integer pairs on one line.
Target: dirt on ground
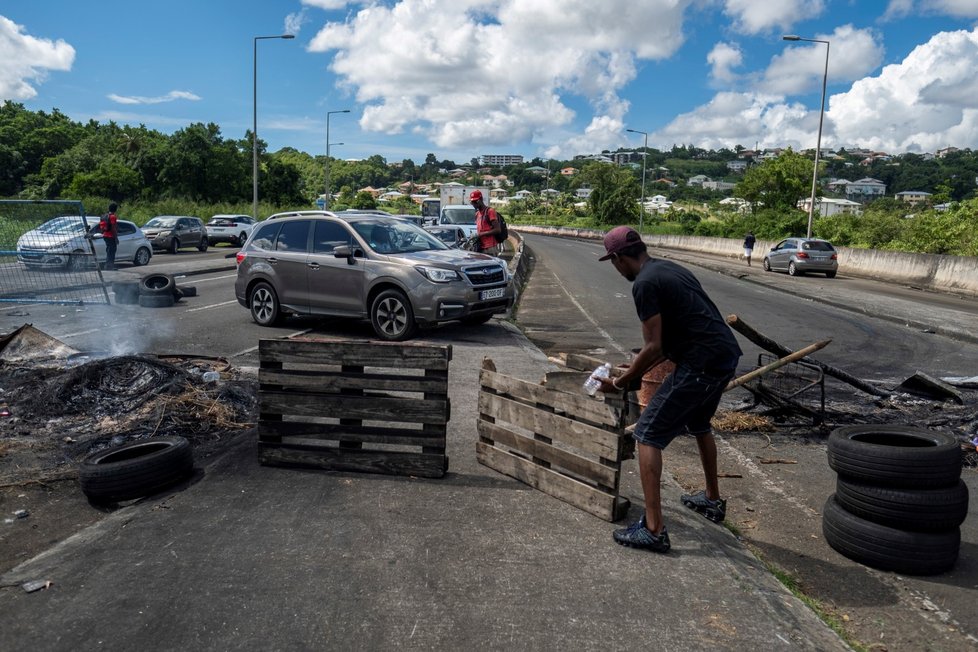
{"points": [[55, 413]]}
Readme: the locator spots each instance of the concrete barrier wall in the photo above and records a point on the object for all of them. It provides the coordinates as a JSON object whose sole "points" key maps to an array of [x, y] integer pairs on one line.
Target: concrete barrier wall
{"points": [[952, 274]]}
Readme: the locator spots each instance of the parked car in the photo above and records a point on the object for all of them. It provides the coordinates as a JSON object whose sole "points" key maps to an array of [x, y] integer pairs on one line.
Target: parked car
{"points": [[366, 266], [233, 229], [798, 256], [452, 235], [61, 243], [459, 214], [173, 232]]}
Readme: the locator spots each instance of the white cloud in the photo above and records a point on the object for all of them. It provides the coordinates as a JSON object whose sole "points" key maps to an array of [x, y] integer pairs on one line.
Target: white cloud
{"points": [[496, 71], [800, 68], [294, 22], [328, 4], [755, 16], [724, 57], [169, 97], [25, 59], [956, 8]]}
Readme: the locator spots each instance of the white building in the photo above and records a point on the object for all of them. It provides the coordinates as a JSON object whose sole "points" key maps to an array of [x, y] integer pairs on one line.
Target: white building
{"points": [[829, 206]]}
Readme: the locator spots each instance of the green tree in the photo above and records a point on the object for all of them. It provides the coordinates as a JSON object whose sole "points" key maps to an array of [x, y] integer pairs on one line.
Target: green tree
{"points": [[777, 183], [614, 193], [364, 200]]}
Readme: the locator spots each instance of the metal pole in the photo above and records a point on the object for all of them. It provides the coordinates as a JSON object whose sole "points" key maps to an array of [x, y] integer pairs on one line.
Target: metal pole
{"points": [[821, 118], [254, 122], [645, 156], [329, 113]]}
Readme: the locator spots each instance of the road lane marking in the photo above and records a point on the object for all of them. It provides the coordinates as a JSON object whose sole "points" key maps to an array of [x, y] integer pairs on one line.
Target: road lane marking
{"points": [[602, 332], [213, 305], [252, 349], [214, 278]]}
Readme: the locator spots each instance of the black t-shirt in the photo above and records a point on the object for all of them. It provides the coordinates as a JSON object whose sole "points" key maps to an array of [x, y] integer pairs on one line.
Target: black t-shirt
{"points": [[693, 332]]}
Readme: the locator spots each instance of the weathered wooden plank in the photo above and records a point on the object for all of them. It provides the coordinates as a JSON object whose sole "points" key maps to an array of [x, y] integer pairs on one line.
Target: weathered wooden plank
{"points": [[368, 354], [408, 410], [576, 406], [566, 381], [582, 362], [277, 430], [362, 461], [336, 380], [588, 469], [578, 494], [584, 437]]}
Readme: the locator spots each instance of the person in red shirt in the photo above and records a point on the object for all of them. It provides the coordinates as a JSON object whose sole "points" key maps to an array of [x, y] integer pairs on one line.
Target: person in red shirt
{"points": [[487, 224], [108, 226]]}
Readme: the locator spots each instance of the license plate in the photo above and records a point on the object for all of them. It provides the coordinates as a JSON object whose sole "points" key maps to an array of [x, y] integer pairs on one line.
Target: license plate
{"points": [[492, 294]]}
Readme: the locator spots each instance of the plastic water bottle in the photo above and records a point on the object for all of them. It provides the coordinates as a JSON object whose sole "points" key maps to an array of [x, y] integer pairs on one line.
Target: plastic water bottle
{"points": [[593, 382], [211, 377]]}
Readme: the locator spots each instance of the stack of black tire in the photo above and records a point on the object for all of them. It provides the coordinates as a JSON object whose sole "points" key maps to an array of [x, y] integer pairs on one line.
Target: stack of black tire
{"points": [[152, 291], [899, 499]]}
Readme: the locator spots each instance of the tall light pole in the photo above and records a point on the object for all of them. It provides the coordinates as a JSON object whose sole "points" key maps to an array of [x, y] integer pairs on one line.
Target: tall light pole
{"points": [[821, 117], [329, 113], [254, 126], [645, 155]]}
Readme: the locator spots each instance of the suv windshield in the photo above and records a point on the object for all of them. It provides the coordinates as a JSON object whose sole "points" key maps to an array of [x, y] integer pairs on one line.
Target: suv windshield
{"points": [[161, 222], [459, 214], [395, 236]]}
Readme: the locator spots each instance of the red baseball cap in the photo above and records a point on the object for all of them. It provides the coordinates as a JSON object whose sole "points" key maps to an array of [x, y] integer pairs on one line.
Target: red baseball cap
{"points": [[619, 238], [475, 196]]}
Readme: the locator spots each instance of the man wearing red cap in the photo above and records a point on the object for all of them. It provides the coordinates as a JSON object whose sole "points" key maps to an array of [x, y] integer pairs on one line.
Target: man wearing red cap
{"points": [[679, 323], [487, 224]]}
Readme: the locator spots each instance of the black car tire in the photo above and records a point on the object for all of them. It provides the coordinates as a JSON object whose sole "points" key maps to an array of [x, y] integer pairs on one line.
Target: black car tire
{"points": [[242, 238], [76, 261], [202, 247], [136, 469], [263, 303], [829, 274], [895, 456], [767, 265], [156, 284], [921, 510], [126, 292], [392, 316], [887, 548], [188, 290], [156, 300], [174, 246], [793, 271], [142, 257]]}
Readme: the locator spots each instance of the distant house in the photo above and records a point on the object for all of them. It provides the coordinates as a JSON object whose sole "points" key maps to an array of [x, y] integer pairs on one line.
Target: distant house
{"points": [[718, 186], [522, 194], [498, 193], [865, 189], [583, 193], [941, 153], [913, 197], [838, 185], [568, 172], [390, 196], [737, 167], [829, 206], [373, 191], [536, 169], [698, 180], [550, 193]]}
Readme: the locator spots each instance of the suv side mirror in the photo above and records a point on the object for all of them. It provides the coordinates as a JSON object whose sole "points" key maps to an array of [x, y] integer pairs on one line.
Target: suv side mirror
{"points": [[344, 251]]}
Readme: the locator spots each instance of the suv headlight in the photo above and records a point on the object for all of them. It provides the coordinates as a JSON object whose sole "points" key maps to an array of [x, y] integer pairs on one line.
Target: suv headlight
{"points": [[438, 274]]}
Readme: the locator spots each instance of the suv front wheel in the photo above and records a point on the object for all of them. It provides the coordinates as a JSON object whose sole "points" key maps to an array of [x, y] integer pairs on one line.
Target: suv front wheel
{"points": [[392, 316]]}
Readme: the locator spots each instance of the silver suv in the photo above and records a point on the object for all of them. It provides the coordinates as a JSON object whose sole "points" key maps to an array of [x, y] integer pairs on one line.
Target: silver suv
{"points": [[365, 266]]}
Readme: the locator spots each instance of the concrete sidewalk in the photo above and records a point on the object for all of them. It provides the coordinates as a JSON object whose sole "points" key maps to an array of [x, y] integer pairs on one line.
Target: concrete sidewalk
{"points": [[252, 557]]}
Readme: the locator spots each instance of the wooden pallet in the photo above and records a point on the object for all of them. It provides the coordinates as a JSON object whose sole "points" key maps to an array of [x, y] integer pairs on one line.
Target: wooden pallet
{"points": [[566, 444], [372, 407]]}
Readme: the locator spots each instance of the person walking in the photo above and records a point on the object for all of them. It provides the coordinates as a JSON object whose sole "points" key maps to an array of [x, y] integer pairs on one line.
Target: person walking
{"points": [[108, 226], [749, 241], [487, 224], [679, 323]]}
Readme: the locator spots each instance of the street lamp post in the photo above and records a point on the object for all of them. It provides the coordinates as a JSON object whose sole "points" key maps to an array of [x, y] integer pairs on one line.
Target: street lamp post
{"points": [[329, 113], [254, 126], [821, 117], [645, 156]]}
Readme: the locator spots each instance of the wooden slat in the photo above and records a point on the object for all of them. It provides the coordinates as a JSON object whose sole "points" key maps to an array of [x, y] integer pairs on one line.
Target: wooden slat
{"points": [[335, 380], [582, 362], [363, 461], [407, 410], [277, 430], [596, 472], [586, 438], [368, 354], [574, 406], [578, 494]]}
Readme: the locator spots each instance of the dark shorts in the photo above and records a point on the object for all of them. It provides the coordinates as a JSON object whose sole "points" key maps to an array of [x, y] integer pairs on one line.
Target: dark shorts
{"points": [[685, 403]]}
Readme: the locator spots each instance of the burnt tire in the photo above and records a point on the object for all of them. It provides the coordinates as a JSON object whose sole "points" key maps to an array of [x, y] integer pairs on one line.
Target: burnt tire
{"points": [[156, 284], [126, 292], [887, 548], [920, 510], [895, 456], [156, 300], [188, 290], [136, 469]]}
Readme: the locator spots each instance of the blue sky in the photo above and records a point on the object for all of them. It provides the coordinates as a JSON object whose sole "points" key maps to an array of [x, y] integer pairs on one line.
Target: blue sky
{"points": [[549, 78]]}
